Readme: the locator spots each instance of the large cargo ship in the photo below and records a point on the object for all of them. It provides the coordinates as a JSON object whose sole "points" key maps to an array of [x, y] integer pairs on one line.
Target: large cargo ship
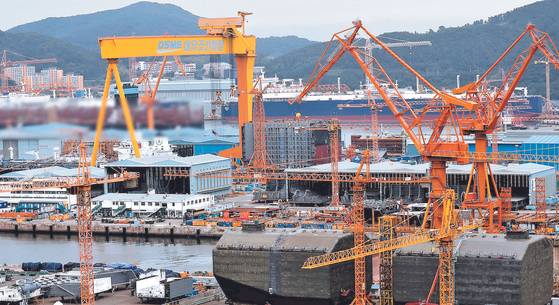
{"points": [[344, 104]]}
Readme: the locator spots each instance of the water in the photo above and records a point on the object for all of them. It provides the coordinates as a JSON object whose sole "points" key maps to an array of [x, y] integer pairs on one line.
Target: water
{"points": [[179, 255]]}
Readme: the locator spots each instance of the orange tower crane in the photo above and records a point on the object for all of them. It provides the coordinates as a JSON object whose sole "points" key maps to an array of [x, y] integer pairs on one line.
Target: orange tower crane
{"points": [[81, 185], [482, 193], [260, 156], [411, 120], [450, 228]]}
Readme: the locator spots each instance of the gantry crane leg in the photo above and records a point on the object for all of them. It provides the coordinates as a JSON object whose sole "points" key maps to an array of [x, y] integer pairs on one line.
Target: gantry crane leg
{"points": [[87, 294], [112, 70]]}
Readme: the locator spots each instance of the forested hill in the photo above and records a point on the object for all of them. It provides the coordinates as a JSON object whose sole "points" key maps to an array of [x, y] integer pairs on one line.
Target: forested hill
{"points": [[466, 50]]}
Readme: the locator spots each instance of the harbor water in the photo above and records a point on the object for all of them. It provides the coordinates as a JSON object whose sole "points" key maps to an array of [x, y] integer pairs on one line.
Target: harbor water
{"points": [[178, 254]]}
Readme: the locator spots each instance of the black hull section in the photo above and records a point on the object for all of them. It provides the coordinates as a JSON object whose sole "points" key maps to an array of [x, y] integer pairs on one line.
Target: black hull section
{"points": [[237, 292]]}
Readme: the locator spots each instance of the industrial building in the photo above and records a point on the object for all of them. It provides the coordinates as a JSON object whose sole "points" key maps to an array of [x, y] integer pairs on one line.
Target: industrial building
{"points": [[204, 174], [46, 200], [490, 269], [37, 141], [291, 143], [520, 177], [537, 143], [150, 205]]}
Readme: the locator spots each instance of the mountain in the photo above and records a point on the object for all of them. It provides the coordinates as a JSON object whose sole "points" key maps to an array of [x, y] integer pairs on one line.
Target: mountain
{"points": [[272, 47], [141, 18], [466, 50], [74, 58]]}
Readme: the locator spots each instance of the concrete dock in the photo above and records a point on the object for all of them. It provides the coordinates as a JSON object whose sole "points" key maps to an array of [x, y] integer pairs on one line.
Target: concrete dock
{"points": [[165, 230]]}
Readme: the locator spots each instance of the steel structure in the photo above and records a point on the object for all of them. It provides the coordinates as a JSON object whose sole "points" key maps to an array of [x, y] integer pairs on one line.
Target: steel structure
{"points": [[81, 185], [482, 194], [333, 127], [223, 36], [411, 121], [450, 228], [387, 231], [260, 159], [149, 96]]}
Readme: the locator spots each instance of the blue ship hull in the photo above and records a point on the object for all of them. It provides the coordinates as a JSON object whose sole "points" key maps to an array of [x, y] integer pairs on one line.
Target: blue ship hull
{"points": [[529, 105]]}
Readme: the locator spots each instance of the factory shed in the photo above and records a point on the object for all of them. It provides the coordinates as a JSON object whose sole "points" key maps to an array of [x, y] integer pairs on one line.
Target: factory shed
{"points": [[49, 172], [489, 269], [520, 177], [46, 200], [37, 141], [204, 174], [260, 267]]}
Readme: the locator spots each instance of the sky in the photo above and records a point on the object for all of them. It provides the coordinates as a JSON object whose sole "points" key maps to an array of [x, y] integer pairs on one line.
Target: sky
{"points": [[313, 19]]}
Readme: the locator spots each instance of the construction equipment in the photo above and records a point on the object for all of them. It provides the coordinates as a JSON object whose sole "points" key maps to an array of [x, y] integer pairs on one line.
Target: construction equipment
{"points": [[223, 36], [5, 62], [148, 97], [450, 228], [333, 127], [81, 185], [411, 121], [260, 158], [482, 193]]}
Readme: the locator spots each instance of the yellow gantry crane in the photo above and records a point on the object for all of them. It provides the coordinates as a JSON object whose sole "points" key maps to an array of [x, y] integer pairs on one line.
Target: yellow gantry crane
{"points": [[451, 227], [223, 36]]}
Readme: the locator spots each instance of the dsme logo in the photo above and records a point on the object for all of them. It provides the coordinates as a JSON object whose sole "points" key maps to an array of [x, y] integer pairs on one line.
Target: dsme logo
{"points": [[168, 46], [190, 45]]}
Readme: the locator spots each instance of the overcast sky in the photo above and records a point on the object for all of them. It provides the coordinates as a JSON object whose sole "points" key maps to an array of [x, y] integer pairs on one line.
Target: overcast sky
{"points": [[314, 19]]}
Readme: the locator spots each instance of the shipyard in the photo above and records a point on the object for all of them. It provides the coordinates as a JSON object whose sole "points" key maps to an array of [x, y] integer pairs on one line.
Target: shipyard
{"points": [[183, 153]]}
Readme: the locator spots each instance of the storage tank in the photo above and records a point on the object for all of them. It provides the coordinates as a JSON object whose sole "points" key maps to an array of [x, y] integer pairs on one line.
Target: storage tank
{"points": [[265, 266], [489, 269]]}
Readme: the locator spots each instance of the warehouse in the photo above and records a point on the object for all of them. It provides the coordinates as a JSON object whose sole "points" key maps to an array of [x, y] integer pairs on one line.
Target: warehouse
{"points": [[520, 177], [48, 199], [150, 205], [37, 141], [202, 174]]}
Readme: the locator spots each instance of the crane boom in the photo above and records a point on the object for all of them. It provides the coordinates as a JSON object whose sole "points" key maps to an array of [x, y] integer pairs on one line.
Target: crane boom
{"points": [[369, 249], [410, 119], [404, 44]]}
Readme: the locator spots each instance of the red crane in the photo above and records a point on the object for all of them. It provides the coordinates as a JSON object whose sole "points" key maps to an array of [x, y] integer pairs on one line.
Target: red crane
{"points": [[482, 194], [445, 135], [148, 97]]}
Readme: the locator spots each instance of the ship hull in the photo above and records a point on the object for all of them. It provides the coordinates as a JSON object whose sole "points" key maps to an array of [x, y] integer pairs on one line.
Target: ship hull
{"points": [[339, 109]]}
